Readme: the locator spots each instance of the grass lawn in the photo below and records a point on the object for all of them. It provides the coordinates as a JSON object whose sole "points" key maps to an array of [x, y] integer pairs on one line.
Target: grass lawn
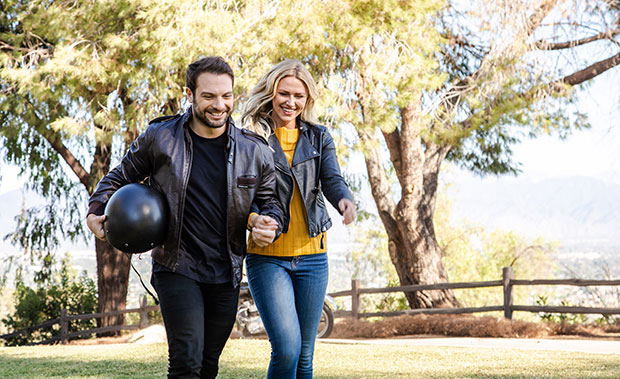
{"points": [[249, 359]]}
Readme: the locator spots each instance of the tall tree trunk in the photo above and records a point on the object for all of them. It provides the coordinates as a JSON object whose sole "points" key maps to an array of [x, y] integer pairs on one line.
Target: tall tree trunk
{"points": [[112, 282], [412, 243], [418, 260], [112, 265], [416, 255]]}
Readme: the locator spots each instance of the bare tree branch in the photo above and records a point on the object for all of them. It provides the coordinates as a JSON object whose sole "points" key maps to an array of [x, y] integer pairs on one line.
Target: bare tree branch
{"points": [[379, 185], [559, 85], [590, 72], [394, 146], [545, 45], [453, 96], [53, 139], [539, 15], [412, 150]]}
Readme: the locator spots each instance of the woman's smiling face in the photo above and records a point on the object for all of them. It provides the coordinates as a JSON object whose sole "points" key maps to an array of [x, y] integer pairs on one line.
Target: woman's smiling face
{"points": [[289, 101]]}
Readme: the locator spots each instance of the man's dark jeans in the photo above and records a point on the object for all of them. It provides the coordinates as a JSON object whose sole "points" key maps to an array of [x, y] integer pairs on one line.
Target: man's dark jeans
{"points": [[198, 319]]}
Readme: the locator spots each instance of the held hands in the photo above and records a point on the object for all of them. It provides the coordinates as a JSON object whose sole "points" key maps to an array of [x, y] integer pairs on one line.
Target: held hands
{"points": [[263, 229], [95, 224], [347, 208]]}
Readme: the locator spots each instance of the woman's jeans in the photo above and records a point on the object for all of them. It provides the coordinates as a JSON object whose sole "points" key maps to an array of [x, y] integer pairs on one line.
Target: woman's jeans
{"points": [[289, 293], [198, 318]]}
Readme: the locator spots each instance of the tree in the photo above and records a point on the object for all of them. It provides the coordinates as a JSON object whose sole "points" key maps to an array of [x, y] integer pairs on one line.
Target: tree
{"points": [[79, 80], [499, 85], [72, 92]]}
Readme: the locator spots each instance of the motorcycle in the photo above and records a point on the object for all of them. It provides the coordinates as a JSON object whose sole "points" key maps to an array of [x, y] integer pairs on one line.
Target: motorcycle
{"points": [[250, 324]]}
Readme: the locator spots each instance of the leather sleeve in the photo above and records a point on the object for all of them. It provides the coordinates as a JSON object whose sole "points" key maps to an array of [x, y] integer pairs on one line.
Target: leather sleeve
{"points": [[135, 166], [265, 201], [333, 185]]}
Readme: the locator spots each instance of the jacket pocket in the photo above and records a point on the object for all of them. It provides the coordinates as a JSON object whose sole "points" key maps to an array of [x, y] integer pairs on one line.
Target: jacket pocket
{"points": [[246, 181]]}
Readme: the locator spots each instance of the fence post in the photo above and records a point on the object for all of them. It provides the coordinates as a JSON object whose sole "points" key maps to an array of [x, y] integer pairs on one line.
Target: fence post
{"points": [[507, 276], [144, 316], [355, 298], [64, 327]]}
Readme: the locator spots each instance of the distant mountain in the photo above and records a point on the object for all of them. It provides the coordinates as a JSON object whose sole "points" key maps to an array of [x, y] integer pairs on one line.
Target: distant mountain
{"points": [[568, 209]]}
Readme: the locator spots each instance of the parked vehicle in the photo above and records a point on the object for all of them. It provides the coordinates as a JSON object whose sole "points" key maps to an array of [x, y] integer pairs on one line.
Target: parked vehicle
{"points": [[250, 324]]}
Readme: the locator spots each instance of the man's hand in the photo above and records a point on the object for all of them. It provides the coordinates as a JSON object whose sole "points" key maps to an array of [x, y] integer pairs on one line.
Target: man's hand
{"points": [[263, 229], [347, 208], [95, 224]]}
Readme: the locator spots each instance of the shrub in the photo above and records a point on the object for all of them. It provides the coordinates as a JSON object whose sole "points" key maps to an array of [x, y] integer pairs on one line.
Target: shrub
{"points": [[55, 290], [563, 318]]}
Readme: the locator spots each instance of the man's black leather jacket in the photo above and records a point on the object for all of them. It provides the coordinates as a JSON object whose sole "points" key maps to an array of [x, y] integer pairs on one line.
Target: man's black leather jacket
{"points": [[316, 170], [163, 154]]}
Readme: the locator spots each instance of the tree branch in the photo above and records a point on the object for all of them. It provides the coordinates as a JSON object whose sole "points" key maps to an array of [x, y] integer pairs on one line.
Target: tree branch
{"points": [[393, 143], [412, 150], [54, 140], [453, 96], [589, 72], [66, 154], [545, 45], [539, 15], [434, 157], [558, 86], [379, 184]]}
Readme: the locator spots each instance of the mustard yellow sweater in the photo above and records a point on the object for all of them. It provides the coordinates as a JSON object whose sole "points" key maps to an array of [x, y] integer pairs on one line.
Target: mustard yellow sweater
{"points": [[296, 241]]}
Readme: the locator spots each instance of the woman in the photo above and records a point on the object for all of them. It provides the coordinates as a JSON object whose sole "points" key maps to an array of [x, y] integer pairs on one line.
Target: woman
{"points": [[288, 278]]}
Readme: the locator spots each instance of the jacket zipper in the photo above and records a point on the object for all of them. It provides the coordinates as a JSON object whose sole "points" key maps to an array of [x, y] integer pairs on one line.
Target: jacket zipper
{"points": [[186, 171], [287, 210], [229, 159]]}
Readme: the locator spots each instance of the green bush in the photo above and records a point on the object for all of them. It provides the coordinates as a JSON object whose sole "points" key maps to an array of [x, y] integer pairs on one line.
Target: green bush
{"points": [[55, 290], [569, 318]]}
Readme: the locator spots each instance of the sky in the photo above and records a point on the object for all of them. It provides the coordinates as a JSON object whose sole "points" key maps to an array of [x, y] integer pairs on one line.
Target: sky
{"points": [[592, 152]]}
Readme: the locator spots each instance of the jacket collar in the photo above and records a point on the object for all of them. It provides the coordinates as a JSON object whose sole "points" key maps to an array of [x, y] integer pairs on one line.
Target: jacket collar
{"points": [[230, 127], [278, 154], [186, 117], [304, 150]]}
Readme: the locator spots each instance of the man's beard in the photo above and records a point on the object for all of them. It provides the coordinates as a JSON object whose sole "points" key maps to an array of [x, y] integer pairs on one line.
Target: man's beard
{"points": [[205, 121]]}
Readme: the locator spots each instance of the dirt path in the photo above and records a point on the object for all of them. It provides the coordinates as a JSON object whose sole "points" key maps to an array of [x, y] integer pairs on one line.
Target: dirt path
{"points": [[597, 346]]}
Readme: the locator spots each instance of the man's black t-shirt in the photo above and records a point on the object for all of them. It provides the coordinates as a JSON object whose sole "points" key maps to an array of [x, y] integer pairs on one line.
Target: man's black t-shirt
{"points": [[203, 254]]}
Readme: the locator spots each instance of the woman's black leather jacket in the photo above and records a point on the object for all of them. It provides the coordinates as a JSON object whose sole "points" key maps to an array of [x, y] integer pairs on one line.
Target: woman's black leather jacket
{"points": [[316, 170]]}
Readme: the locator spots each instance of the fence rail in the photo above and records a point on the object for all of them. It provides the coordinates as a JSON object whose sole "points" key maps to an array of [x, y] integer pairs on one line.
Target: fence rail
{"points": [[65, 318], [507, 283]]}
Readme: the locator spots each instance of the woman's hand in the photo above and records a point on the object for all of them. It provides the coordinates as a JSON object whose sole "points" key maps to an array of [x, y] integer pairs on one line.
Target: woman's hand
{"points": [[347, 208], [263, 229]]}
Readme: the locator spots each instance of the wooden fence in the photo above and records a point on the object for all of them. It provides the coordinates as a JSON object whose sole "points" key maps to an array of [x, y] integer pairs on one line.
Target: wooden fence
{"points": [[65, 318], [507, 283]]}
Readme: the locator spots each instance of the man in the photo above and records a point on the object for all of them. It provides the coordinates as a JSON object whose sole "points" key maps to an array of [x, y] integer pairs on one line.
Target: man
{"points": [[210, 173]]}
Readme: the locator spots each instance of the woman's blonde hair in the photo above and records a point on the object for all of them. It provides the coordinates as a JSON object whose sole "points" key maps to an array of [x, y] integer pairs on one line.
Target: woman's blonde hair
{"points": [[256, 113]]}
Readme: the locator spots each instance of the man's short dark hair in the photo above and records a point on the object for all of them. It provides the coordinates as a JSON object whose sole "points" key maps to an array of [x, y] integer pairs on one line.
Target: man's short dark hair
{"points": [[212, 64]]}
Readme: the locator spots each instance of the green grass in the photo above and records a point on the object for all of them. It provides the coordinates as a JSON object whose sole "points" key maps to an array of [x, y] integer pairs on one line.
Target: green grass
{"points": [[249, 359]]}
